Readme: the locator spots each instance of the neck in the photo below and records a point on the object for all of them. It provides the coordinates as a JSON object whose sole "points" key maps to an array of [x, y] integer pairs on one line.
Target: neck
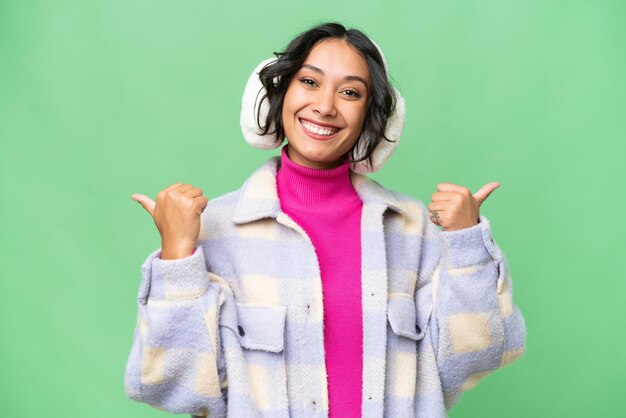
{"points": [[314, 189], [295, 158]]}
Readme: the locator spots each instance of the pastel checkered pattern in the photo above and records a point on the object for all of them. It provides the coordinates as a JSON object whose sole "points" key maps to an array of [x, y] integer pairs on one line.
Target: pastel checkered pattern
{"points": [[236, 329]]}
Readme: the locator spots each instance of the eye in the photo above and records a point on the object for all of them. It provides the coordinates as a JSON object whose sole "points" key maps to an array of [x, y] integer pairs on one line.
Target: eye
{"points": [[352, 93], [308, 81]]}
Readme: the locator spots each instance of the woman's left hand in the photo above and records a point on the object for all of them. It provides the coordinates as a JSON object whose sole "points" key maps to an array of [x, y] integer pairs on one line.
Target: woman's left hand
{"points": [[455, 207]]}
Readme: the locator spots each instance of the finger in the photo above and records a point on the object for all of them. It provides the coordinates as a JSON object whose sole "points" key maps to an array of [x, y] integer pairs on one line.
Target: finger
{"points": [[147, 203], [439, 205], [450, 187], [201, 202], [183, 188], [485, 191], [172, 186], [442, 196], [177, 188], [193, 192]]}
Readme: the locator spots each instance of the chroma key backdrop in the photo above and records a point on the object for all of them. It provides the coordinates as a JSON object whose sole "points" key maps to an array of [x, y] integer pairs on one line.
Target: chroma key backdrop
{"points": [[101, 99]]}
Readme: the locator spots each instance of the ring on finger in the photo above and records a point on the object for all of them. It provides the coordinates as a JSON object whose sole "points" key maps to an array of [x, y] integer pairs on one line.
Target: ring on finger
{"points": [[434, 217]]}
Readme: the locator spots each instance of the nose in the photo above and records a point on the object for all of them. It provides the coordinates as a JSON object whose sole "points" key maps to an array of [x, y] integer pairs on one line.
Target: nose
{"points": [[324, 103]]}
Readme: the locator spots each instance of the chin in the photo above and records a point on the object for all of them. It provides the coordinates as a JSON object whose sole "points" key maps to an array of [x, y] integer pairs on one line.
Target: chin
{"points": [[320, 155]]}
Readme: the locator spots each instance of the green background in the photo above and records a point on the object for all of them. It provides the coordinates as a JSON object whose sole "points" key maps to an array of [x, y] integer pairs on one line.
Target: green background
{"points": [[101, 99]]}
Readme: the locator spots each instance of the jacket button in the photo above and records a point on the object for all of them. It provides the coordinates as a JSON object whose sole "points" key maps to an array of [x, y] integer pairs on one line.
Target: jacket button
{"points": [[241, 332], [418, 329]]}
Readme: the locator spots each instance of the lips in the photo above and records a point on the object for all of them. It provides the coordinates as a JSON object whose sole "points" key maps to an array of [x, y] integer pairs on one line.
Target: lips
{"points": [[318, 131]]}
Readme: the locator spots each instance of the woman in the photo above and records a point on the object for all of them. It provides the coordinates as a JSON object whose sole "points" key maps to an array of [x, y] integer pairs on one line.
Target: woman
{"points": [[312, 290]]}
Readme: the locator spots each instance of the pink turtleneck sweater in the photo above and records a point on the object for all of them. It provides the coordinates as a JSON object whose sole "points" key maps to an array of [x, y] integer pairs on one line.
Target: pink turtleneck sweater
{"points": [[325, 204]]}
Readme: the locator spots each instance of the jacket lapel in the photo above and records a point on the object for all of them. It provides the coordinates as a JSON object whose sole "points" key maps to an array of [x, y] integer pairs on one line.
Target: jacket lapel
{"points": [[376, 201]]}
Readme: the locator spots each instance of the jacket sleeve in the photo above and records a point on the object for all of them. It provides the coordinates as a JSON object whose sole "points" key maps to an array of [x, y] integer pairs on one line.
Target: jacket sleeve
{"points": [[176, 362], [475, 326]]}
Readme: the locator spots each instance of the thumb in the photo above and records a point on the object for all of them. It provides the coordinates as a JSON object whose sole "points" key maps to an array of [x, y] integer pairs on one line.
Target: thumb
{"points": [[485, 191], [147, 203]]}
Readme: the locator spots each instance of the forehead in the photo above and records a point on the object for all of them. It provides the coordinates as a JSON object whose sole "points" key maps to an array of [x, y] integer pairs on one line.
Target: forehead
{"points": [[337, 58]]}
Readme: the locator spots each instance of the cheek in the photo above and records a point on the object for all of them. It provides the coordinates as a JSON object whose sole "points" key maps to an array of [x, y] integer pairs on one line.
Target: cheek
{"points": [[288, 113], [292, 96], [358, 117], [289, 105]]}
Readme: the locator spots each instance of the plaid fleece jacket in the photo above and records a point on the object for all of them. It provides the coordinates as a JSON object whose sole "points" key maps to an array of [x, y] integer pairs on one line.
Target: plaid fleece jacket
{"points": [[236, 329]]}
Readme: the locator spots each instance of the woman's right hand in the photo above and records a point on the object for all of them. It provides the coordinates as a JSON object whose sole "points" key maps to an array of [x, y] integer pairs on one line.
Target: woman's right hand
{"points": [[176, 214]]}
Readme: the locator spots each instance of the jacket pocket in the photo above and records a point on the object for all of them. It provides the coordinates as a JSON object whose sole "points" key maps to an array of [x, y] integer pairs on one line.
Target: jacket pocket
{"points": [[261, 327], [404, 318], [403, 342], [260, 330]]}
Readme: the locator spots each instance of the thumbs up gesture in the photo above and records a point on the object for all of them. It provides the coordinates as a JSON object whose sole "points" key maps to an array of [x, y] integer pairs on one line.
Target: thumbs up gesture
{"points": [[455, 207], [176, 214]]}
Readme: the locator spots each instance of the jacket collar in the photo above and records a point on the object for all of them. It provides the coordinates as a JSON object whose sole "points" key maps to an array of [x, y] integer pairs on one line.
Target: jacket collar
{"points": [[258, 197]]}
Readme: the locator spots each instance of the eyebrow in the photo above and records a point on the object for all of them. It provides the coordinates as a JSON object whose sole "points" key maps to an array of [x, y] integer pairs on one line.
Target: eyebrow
{"points": [[348, 77]]}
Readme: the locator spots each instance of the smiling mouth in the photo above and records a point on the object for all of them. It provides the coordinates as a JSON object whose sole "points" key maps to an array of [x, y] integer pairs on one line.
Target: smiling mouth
{"points": [[318, 129]]}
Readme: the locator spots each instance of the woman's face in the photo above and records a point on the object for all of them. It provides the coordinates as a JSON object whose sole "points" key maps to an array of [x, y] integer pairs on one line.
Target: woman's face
{"points": [[325, 105]]}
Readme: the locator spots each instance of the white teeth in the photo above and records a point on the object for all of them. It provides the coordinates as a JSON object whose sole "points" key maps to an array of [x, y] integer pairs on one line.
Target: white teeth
{"points": [[318, 130]]}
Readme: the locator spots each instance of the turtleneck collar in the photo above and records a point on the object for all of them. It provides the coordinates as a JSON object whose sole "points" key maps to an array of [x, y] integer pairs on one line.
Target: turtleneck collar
{"points": [[315, 190]]}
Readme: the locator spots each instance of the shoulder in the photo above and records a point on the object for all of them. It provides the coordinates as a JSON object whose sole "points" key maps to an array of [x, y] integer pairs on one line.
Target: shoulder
{"points": [[412, 218], [229, 201], [405, 214], [224, 212], [216, 219], [412, 204], [404, 205]]}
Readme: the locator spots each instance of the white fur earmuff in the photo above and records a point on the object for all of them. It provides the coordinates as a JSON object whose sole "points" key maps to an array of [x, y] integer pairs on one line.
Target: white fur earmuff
{"points": [[251, 100]]}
